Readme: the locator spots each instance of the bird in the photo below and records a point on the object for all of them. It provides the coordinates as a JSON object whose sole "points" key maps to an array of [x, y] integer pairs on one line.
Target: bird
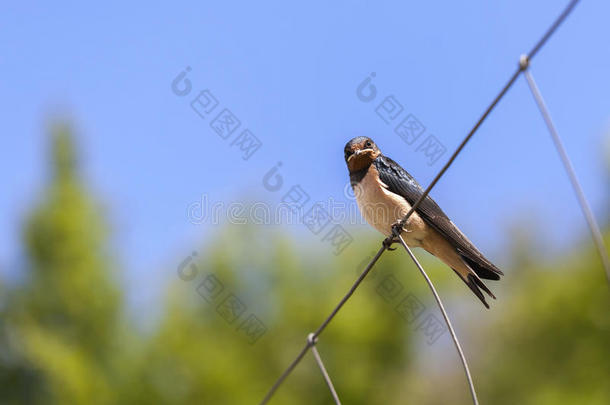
{"points": [[385, 192]]}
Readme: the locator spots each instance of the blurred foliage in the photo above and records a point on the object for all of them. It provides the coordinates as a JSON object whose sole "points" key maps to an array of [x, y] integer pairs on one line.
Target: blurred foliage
{"points": [[553, 346], [65, 339]]}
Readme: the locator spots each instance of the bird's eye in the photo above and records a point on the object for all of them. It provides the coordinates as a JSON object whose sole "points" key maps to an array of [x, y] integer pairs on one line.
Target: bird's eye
{"points": [[368, 144]]}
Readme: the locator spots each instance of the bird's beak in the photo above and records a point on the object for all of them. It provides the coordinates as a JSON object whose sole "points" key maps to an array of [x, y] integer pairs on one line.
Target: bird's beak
{"points": [[356, 152]]}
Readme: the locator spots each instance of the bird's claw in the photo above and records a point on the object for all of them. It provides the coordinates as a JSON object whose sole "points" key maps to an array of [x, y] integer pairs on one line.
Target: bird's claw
{"points": [[397, 228], [388, 242]]}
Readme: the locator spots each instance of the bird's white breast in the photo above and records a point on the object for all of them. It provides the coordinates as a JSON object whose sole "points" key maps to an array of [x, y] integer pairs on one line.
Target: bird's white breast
{"points": [[382, 208]]}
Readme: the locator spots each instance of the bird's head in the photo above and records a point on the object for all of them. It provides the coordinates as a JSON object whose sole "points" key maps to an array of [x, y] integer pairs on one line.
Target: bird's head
{"points": [[360, 153]]}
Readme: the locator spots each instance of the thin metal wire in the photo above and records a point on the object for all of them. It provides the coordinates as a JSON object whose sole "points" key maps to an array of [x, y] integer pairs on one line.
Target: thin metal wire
{"points": [[321, 328], [447, 321], [584, 204], [495, 101], [313, 340], [351, 290], [564, 14], [401, 223], [491, 106], [285, 374]]}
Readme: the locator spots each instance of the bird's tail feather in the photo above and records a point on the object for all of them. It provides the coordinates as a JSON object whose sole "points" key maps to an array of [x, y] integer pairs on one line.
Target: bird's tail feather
{"points": [[476, 285], [489, 272]]}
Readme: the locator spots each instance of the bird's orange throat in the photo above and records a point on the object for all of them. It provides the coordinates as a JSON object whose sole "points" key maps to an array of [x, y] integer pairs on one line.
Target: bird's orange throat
{"points": [[362, 161]]}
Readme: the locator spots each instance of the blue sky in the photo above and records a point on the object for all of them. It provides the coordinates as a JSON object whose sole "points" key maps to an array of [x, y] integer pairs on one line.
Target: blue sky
{"points": [[289, 72]]}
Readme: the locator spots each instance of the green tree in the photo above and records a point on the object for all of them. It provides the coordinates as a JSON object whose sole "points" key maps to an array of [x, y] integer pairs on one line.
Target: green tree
{"points": [[63, 339], [553, 345], [197, 356], [62, 325]]}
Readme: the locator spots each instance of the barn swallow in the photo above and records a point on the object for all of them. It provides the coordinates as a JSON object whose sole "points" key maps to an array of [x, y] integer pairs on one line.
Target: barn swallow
{"points": [[385, 192]]}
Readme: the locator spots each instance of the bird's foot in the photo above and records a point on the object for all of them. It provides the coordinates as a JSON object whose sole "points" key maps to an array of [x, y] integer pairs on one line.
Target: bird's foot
{"points": [[388, 242], [398, 228]]}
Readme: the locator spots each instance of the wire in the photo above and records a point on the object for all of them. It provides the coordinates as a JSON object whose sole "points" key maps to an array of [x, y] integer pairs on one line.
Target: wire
{"points": [[390, 239], [440, 305], [584, 205], [316, 355], [491, 106], [552, 29], [323, 326], [285, 374], [351, 290]]}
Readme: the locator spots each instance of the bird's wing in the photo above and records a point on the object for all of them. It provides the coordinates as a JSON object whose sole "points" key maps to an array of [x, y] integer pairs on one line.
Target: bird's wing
{"points": [[400, 182]]}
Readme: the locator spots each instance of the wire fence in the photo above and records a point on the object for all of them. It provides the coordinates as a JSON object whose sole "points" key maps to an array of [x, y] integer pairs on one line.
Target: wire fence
{"points": [[582, 200], [395, 236]]}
